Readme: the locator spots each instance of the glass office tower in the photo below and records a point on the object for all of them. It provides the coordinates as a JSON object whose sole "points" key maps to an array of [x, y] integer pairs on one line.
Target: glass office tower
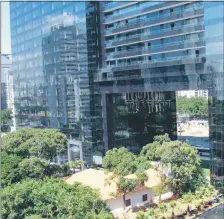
{"points": [[51, 50], [160, 48], [106, 73], [214, 39]]}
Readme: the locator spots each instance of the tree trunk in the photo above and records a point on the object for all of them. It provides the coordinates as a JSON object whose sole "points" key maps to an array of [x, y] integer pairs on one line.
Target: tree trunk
{"points": [[124, 200]]}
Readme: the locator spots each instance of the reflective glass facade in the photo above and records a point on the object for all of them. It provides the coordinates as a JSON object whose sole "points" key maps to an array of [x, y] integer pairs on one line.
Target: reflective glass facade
{"points": [[51, 68], [161, 47], [138, 117], [93, 69], [214, 33]]}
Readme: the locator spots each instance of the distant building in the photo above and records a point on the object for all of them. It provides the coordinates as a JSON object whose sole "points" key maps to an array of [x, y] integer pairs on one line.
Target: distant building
{"points": [[7, 93], [192, 93], [5, 66]]}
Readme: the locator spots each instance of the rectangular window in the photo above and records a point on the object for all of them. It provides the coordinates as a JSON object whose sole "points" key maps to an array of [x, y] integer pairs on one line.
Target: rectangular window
{"points": [[197, 53], [127, 202], [144, 197]]}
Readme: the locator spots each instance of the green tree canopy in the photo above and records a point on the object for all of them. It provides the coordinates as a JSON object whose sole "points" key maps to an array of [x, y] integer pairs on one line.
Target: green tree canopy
{"points": [[187, 174], [33, 168], [9, 169], [192, 106], [43, 143], [120, 161], [26, 154], [6, 120], [54, 199]]}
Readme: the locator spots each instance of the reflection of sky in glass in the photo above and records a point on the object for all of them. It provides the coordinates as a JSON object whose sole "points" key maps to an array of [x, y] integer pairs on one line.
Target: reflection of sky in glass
{"points": [[214, 26]]}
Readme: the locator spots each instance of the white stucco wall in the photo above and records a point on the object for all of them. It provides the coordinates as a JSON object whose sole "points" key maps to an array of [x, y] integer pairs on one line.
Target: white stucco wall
{"points": [[116, 205]]}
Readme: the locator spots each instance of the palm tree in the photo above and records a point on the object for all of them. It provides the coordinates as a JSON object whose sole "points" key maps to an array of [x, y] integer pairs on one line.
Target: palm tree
{"points": [[187, 198], [200, 197], [151, 212], [163, 208], [173, 204], [141, 215]]}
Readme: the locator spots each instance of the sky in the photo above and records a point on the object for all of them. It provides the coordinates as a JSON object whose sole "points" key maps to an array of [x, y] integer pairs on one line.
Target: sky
{"points": [[5, 32]]}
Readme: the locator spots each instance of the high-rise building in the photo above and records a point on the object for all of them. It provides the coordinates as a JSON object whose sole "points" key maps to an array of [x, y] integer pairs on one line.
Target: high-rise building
{"points": [[51, 68], [107, 73], [152, 50]]}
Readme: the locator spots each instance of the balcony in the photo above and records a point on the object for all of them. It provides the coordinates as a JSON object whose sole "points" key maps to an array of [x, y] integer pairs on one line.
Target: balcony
{"points": [[155, 34], [157, 48], [154, 20], [137, 11], [158, 63], [113, 5]]}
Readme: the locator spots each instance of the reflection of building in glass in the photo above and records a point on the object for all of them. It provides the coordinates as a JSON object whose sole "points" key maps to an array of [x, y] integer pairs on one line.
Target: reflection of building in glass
{"points": [[151, 48], [5, 68], [66, 71], [166, 46], [126, 48], [138, 117], [214, 35], [51, 73]]}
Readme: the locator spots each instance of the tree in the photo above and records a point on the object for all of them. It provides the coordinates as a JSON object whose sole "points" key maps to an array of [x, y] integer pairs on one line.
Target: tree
{"points": [[184, 162], [33, 168], [162, 138], [141, 215], [6, 120], [150, 151], [187, 174], [120, 161], [142, 163], [194, 106], [173, 204], [141, 176], [42, 143], [151, 212], [163, 208], [162, 187], [125, 186], [187, 198], [54, 199], [76, 164], [153, 150], [9, 169]]}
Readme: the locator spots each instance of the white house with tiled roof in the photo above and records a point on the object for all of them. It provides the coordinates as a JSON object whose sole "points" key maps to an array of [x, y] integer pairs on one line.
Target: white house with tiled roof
{"points": [[99, 179]]}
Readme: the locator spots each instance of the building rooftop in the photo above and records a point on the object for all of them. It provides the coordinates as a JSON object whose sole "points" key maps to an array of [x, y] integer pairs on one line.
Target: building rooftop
{"points": [[100, 179]]}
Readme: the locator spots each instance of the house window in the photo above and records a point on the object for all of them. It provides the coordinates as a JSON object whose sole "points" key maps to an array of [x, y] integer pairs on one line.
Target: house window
{"points": [[144, 198], [149, 58], [127, 202]]}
